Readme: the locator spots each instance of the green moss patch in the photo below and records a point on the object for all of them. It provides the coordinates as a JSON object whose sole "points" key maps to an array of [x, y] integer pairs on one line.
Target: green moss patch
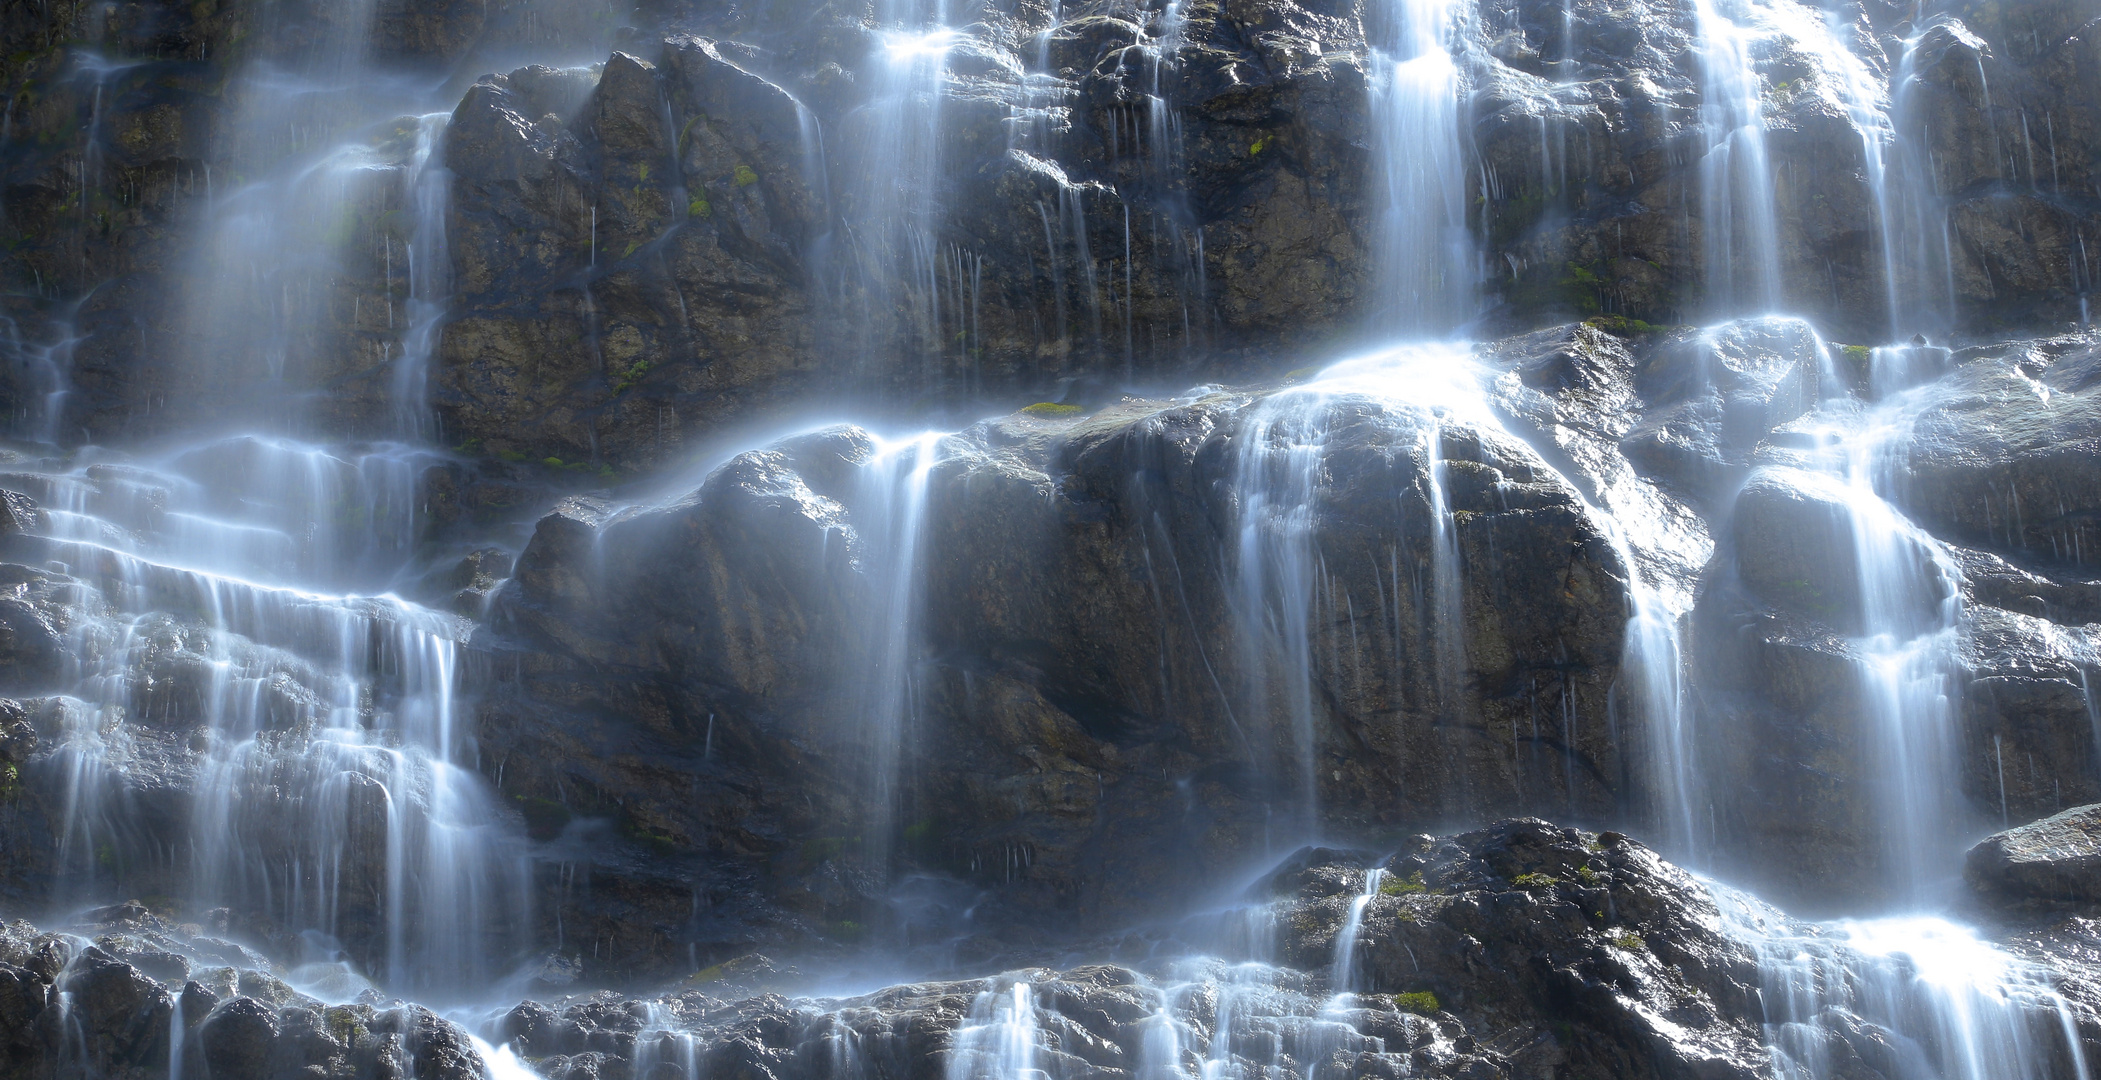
{"points": [[1395, 885], [1419, 1002]]}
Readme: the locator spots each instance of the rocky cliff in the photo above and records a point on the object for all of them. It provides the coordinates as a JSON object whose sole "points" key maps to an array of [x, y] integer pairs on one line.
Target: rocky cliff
{"points": [[679, 236], [979, 698]]}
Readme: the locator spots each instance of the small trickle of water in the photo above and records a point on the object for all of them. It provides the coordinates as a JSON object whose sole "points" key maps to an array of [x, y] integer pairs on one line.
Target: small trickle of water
{"points": [[1342, 978], [1000, 1039]]}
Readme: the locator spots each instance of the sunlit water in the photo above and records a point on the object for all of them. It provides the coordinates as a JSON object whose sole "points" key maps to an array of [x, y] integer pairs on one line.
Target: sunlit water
{"points": [[338, 776]]}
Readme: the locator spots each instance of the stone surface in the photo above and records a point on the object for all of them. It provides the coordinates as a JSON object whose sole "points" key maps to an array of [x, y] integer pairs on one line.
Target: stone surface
{"points": [[1512, 974], [2053, 861], [1101, 240], [1083, 670], [139, 989], [1587, 117]]}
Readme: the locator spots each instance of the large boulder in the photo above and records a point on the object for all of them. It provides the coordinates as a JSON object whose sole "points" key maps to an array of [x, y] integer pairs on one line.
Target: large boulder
{"points": [[1524, 919], [2055, 861], [2001, 455], [1011, 653]]}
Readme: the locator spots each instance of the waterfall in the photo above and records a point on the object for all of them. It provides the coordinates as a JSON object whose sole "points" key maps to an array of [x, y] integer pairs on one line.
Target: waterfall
{"points": [[891, 221], [1279, 583], [998, 1041], [1921, 241], [1914, 998], [1424, 250], [1281, 587], [881, 683], [236, 635], [429, 196], [329, 770], [235, 586], [1342, 977], [1739, 227]]}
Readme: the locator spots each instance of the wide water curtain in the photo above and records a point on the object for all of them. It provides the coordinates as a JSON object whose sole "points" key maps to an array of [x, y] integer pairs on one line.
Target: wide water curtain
{"points": [[954, 541]]}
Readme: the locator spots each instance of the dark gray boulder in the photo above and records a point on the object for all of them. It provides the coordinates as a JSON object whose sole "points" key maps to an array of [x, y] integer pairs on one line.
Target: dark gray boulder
{"points": [[1092, 660]]}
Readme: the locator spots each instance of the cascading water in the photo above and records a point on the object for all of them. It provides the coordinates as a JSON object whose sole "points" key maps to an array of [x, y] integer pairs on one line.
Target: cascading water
{"points": [[893, 496], [884, 247], [330, 789], [1739, 226], [1910, 620], [1949, 1004], [235, 586], [1342, 978], [243, 580], [1915, 998], [428, 189], [1425, 251], [1918, 238], [1282, 587], [1000, 1038]]}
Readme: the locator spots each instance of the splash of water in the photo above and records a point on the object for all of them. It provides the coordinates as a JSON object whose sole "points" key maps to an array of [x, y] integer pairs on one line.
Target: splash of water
{"points": [[1914, 998]]}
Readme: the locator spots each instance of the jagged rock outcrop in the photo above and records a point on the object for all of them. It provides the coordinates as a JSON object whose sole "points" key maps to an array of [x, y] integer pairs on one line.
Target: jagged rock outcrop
{"points": [[136, 994], [1587, 117], [1116, 637], [1490, 954]]}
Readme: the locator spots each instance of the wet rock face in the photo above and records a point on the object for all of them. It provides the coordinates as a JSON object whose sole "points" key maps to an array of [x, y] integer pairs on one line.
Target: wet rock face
{"points": [[1778, 634], [1096, 712], [2055, 861], [1518, 949], [1167, 193], [2003, 456], [126, 994], [1525, 920], [1204, 190], [713, 231], [1587, 116]]}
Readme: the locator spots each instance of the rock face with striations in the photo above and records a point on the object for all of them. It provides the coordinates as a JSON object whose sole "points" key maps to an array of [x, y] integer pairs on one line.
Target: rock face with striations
{"points": [[680, 237], [641, 263], [1102, 694]]}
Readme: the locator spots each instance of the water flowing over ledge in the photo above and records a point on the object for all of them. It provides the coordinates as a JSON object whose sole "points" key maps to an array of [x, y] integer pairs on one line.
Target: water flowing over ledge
{"points": [[368, 621]]}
